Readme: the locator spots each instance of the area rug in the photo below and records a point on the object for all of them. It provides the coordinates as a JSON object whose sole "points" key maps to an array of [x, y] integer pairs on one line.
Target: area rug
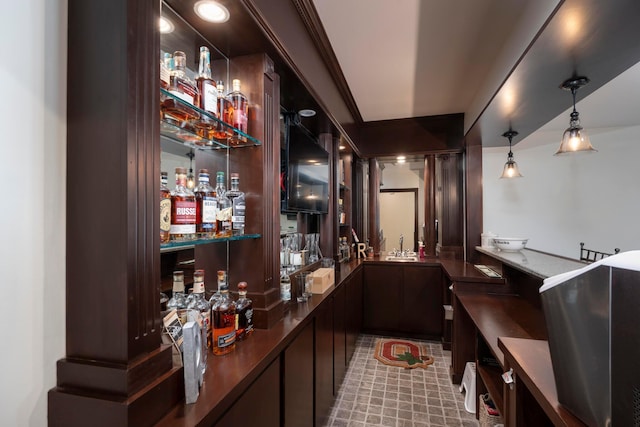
{"points": [[402, 353]]}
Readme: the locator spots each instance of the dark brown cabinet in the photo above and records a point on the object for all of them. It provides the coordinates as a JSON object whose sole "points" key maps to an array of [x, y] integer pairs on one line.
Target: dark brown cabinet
{"points": [[382, 298], [353, 312], [298, 380], [260, 404], [324, 362], [339, 338], [403, 300]]}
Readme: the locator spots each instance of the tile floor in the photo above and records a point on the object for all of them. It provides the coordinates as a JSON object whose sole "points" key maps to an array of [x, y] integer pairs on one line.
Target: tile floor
{"points": [[375, 394]]}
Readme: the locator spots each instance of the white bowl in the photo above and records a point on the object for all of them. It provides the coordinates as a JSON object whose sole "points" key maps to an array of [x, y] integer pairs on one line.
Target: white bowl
{"points": [[509, 244]]}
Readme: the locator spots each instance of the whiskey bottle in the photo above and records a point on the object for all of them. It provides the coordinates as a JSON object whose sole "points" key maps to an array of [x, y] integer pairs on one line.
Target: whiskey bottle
{"points": [[165, 209], [178, 300], [206, 206], [222, 280], [244, 313], [225, 111], [181, 84], [223, 315], [183, 209], [238, 205], [240, 110], [225, 209], [200, 304], [208, 96], [206, 85]]}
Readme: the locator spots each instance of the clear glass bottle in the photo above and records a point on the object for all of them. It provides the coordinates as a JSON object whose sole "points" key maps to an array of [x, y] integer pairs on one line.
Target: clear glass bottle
{"points": [[244, 313], [178, 299], [165, 70], [200, 304], [225, 209], [181, 84], [285, 285], [238, 203], [223, 315], [183, 209], [240, 114], [165, 209], [206, 206]]}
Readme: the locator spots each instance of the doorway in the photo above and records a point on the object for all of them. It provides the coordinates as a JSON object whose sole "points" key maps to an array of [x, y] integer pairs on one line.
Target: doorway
{"points": [[399, 216]]}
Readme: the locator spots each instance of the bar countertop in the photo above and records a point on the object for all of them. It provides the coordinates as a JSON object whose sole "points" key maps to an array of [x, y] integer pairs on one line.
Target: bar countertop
{"points": [[536, 263]]}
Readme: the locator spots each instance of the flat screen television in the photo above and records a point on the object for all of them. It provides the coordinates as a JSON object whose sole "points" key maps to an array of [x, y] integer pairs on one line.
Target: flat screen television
{"points": [[307, 173]]}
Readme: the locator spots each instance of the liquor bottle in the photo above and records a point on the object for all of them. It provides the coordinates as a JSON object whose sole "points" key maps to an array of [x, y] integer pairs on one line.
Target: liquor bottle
{"points": [[238, 204], [285, 285], [222, 280], [181, 84], [225, 209], [165, 70], [183, 209], [244, 313], [223, 316], [199, 303], [206, 206], [165, 209], [225, 111], [206, 85], [240, 112], [178, 300]]}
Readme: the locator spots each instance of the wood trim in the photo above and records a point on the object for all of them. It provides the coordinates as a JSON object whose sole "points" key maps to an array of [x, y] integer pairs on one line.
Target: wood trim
{"points": [[312, 21], [430, 204]]}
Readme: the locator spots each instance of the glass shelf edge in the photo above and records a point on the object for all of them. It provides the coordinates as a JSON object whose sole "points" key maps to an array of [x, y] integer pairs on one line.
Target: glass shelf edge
{"points": [[252, 141], [172, 246]]}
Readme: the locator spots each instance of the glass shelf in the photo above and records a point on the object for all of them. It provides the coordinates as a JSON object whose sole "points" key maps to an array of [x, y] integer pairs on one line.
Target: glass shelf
{"points": [[191, 126], [173, 246]]}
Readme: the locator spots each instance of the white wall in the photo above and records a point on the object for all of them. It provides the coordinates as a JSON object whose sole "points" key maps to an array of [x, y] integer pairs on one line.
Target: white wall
{"points": [[33, 165], [564, 200]]}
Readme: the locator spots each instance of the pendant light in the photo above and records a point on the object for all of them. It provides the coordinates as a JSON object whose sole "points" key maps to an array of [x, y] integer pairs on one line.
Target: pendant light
{"points": [[191, 182], [511, 167], [575, 138]]}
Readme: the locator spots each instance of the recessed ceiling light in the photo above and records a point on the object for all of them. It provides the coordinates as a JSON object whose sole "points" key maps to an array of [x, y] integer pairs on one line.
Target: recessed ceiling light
{"points": [[166, 26], [307, 113], [211, 11]]}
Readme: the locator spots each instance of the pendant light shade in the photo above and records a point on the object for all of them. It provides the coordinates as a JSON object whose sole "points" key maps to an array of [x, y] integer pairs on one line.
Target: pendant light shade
{"points": [[575, 138], [511, 167]]}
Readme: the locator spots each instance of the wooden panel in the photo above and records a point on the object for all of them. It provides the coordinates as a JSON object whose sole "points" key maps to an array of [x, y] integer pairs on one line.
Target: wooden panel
{"points": [[323, 362], [473, 194], [354, 312], [259, 404], [382, 298], [422, 310], [339, 338], [298, 380], [374, 210]]}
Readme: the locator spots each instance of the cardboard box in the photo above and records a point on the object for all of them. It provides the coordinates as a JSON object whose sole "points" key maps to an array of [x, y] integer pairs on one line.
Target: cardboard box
{"points": [[323, 279]]}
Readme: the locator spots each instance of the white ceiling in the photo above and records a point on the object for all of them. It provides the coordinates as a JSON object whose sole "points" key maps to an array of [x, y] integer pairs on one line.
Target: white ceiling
{"points": [[413, 58]]}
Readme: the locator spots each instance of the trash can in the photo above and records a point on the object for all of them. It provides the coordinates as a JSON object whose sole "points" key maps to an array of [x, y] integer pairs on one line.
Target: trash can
{"points": [[592, 317]]}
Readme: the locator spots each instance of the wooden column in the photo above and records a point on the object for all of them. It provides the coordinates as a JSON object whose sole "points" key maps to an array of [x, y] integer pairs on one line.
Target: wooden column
{"points": [[430, 204], [374, 201], [116, 371], [473, 193]]}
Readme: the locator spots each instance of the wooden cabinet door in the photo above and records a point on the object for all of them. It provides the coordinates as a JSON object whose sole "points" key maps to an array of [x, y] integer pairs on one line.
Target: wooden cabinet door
{"points": [[422, 311], [339, 337], [354, 312], [260, 404], [324, 362], [382, 298], [298, 380]]}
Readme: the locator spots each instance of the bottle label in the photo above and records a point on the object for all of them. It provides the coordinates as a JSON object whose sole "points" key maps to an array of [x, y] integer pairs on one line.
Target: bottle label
{"points": [[165, 74], [227, 339], [210, 98], [185, 212], [165, 214], [238, 216], [209, 208], [182, 229], [183, 90]]}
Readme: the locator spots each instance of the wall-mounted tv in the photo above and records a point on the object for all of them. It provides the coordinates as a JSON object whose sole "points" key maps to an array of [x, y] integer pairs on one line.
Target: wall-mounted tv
{"points": [[307, 173]]}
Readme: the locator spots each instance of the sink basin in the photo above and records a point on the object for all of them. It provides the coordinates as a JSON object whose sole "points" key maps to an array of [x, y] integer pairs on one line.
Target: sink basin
{"points": [[400, 258]]}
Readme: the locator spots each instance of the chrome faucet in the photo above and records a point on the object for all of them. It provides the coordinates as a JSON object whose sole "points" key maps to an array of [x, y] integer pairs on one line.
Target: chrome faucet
{"points": [[401, 241]]}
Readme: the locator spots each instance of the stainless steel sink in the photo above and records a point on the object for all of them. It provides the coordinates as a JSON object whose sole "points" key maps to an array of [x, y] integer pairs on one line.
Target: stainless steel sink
{"points": [[400, 258]]}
